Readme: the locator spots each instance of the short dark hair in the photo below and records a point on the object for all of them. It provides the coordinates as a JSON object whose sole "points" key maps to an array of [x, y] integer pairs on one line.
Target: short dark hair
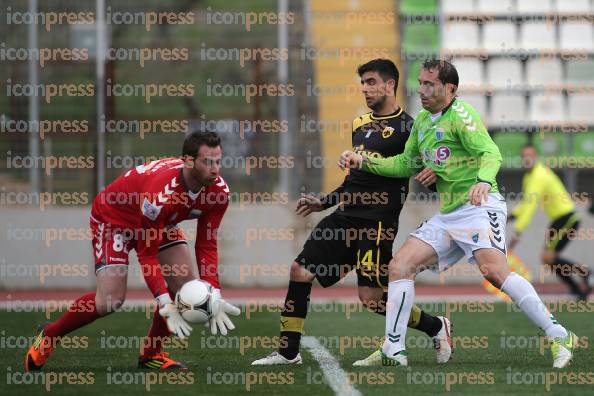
{"points": [[384, 67], [447, 72], [196, 139]]}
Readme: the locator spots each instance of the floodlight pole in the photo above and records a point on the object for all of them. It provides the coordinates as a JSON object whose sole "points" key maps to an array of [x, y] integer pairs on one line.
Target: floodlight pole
{"points": [[100, 93], [33, 102], [283, 102]]}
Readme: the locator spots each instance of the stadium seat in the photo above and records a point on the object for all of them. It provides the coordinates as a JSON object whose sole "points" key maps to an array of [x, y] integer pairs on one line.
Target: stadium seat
{"points": [[420, 38], [479, 102], [548, 108], [583, 144], [544, 71], [503, 72], [417, 7], [581, 108], [510, 145], [470, 71], [573, 6], [507, 109], [579, 72], [537, 35], [495, 7], [500, 35], [413, 105], [412, 74], [552, 144], [534, 6], [460, 35], [457, 6], [576, 35]]}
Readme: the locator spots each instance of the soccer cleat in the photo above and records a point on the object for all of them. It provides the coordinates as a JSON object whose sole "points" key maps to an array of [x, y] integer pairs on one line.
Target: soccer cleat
{"points": [[399, 359], [39, 351], [276, 358], [160, 361], [375, 359], [379, 358], [562, 349], [442, 342]]}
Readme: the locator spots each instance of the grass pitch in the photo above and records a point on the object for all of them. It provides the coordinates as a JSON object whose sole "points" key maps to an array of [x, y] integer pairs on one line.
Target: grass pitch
{"points": [[498, 352]]}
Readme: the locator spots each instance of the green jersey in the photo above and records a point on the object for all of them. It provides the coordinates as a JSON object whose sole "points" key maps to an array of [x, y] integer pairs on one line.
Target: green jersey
{"points": [[455, 144]]}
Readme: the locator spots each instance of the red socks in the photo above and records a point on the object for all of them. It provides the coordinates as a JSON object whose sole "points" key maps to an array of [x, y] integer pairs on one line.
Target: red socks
{"points": [[80, 313], [158, 333]]}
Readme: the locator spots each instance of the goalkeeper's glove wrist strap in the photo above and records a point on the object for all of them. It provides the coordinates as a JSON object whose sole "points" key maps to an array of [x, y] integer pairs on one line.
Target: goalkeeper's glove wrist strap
{"points": [[164, 299]]}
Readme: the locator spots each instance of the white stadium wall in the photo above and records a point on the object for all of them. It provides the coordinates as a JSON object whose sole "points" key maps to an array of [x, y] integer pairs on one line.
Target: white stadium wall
{"points": [[257, 245]]}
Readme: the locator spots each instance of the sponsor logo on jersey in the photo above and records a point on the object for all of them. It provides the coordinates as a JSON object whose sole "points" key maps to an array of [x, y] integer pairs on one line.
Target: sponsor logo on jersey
{"points": [[151, 210], [442, 153], [436, 156]]}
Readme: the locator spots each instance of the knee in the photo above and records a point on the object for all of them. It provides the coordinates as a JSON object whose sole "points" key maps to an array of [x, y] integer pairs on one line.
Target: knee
{"points": [[300, 274], [109, 303], [400, 268], [495, 274]]}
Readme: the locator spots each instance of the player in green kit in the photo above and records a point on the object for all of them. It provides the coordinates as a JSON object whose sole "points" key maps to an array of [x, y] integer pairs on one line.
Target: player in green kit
{"points": [[359, 234], [449, 137]]}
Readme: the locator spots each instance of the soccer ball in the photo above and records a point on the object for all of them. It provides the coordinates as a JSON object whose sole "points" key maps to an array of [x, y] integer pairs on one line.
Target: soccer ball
{"points": [[194, 301]]}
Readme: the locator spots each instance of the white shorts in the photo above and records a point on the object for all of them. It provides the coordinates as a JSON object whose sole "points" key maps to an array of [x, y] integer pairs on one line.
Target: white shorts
{"points": [[459, 233]]}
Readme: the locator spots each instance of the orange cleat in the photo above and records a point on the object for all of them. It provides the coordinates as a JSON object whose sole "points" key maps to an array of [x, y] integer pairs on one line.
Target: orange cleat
{"points": [[39, 351], [160, 361]]}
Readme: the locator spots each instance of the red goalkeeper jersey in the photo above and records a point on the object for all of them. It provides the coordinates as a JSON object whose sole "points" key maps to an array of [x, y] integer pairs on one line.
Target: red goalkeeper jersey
{"points": [[153, 196]]}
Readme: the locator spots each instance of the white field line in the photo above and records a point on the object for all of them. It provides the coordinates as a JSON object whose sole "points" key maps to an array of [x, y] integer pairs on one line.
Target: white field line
{"points": [[336, 377]]}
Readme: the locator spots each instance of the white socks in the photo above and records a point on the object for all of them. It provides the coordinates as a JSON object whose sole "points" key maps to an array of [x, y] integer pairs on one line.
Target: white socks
{"points": [[525, 297], [401, 295]]}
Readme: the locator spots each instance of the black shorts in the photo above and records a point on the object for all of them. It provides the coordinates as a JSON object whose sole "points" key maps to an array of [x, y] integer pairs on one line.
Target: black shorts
{"points": [[338, 244], [561, 231]]}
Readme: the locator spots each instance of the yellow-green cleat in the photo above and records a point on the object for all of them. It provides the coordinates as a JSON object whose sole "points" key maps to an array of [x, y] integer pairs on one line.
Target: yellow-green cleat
{"points": [[378, 358], [562, 349]]}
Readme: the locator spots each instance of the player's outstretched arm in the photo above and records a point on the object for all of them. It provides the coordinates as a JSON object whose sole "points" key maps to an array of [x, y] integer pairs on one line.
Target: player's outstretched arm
{"points": [[308, 204], [401, 165]]}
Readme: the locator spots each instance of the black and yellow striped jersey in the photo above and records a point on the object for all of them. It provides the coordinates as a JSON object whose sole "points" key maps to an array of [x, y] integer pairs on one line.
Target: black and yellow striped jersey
{"points": [[366, 195]]}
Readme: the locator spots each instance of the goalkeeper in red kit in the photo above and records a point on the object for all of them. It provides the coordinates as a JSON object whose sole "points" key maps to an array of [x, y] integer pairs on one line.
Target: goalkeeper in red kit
{"points": [[140, 211]]}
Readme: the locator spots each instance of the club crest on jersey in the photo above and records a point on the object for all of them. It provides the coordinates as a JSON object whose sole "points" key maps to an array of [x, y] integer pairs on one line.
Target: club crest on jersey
{"points": [[387, 132], [151, 210], [439, 133]]}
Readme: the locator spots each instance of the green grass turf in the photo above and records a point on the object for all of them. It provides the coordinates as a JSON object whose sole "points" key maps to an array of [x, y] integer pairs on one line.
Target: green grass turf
{"points": [[480, 357]]}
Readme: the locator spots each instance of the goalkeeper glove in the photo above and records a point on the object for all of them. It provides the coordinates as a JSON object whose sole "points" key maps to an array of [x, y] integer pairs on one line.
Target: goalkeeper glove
{"points": [[175, 323], [220, 322]]}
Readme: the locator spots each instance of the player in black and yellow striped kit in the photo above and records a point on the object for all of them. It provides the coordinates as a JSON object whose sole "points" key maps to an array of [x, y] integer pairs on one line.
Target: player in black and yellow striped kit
{"points": [[360, 233]]}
